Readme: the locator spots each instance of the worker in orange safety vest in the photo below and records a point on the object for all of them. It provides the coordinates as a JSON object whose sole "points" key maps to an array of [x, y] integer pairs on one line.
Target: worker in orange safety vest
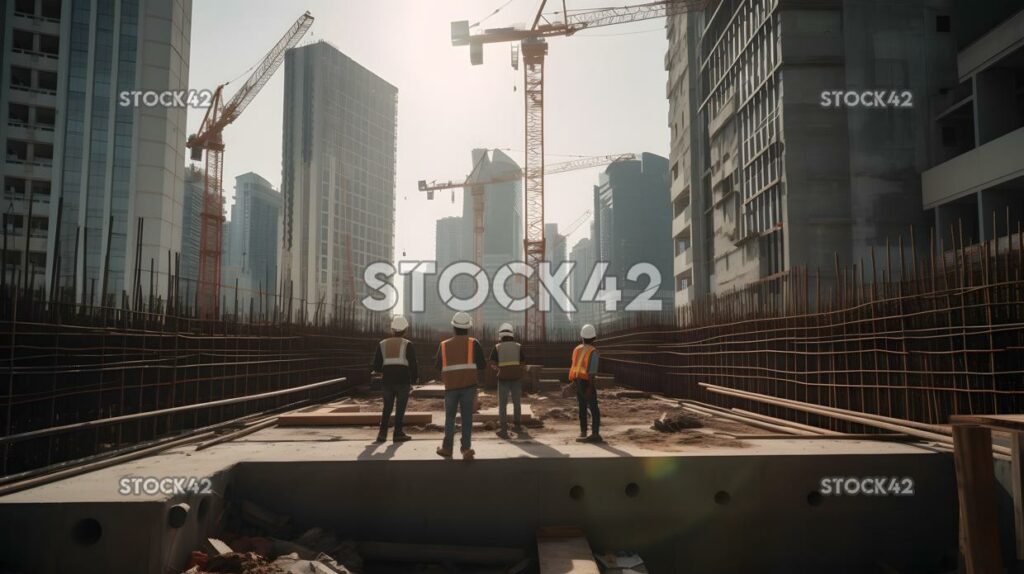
{"points": [[582, 373], [460, 360]]}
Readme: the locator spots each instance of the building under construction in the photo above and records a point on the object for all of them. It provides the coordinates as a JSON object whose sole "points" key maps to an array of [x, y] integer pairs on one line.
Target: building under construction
{"points": [[855, 409]]}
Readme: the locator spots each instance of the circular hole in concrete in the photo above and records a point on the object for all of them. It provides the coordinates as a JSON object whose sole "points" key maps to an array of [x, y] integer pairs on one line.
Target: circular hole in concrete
{"points": [[576, 492], [814, 498], [177, 514], [722, 498], [88, 531], [632, 490], [204, 507]]}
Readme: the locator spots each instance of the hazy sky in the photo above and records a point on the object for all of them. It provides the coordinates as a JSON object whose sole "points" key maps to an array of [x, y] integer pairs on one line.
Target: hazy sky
{"points": [[605, 93]]}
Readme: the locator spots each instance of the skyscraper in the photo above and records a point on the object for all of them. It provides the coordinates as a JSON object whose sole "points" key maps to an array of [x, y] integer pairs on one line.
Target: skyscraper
{"points": [[338, 175], [503, 225], [766, 176], [82, 169], [191, 218], [251, 239], [632, 224]]}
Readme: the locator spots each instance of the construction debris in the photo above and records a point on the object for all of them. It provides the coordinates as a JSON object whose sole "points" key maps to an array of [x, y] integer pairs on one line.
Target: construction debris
{"points": [[676, 422]]}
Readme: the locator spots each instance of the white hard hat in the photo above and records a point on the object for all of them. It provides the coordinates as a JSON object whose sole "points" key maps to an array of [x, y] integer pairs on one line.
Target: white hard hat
{"points": [[399, 323], [462, 320], [505, 329], [588, 331]]}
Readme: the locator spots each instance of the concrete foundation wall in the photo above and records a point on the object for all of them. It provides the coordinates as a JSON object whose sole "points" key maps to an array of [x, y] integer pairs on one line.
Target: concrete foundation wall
{"points": [[696, 513]]}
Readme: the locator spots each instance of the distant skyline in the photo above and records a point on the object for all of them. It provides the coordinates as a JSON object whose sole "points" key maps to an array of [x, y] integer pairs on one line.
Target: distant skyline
{"points": [[605, 93]]}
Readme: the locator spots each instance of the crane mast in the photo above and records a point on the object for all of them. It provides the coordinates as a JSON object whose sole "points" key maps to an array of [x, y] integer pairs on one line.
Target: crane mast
{"points": [[210, 139], [534, 49]]}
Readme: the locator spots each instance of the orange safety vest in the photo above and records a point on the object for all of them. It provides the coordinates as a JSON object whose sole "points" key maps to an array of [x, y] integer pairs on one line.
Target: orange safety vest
{"points": [[580, 361], [458, 369]]}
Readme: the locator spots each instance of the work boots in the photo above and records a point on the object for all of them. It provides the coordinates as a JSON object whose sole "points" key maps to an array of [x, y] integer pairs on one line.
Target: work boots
{"points": [[401, 437]]}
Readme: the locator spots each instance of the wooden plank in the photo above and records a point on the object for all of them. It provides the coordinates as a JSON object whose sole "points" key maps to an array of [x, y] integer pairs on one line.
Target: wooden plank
{"points": [[559, 554], [428, 392], [491, 414], [999, 422], [342, 409], [347, 419], [975, 484], [1017, 487]]}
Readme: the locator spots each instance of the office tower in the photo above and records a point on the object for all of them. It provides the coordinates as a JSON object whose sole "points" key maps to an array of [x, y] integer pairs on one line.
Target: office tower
{"points": [[81, 169], [766, 174], [253, 234], [338, 176], [977, 181], [584, 255], [503, 226], [632, 225]]}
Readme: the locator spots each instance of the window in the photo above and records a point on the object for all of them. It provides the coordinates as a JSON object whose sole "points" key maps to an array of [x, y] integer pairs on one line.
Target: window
{"points": [[14, 185], [942, 23], [17, 114], [21, 77], [43, 151], [51, 9], [49, 45], [40, 187], [47, 81], [46, 117], [17, 151], [21, 41], [25, 6]]}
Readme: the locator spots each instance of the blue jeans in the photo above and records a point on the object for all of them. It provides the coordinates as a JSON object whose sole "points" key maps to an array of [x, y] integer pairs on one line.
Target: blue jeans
{"points": [[516, 390], [454, 400], [586, 396]]}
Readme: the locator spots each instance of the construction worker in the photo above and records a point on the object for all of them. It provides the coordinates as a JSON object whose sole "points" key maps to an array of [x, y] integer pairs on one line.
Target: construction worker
{"points": [[582, 373], [460, 360], [507, 359], [396, 361]]}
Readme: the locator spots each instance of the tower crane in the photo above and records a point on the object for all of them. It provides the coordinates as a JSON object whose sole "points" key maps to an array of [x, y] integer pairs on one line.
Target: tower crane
{"points": [[210, 139], [533, 50], [476, 187]]}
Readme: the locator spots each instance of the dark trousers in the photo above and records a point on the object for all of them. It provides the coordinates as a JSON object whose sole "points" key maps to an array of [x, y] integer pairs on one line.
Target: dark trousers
{"points": [[506, 388], [395, 396], [586, 396]]}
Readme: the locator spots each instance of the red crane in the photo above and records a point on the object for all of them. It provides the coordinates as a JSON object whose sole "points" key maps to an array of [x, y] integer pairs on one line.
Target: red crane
{"points": [[210, 139], [534, 48]]}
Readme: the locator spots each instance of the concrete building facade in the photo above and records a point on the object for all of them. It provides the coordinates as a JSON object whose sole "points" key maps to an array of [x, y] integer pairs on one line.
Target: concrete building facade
{"points": [[338, 176], [81, 168], [976, 185], [788, 180]]}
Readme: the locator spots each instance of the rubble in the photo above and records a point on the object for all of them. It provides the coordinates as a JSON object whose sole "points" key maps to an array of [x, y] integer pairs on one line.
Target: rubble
{"points": [[676, 422]]}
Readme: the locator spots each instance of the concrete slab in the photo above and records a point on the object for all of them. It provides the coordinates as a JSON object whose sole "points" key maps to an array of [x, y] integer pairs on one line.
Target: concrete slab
{"points": [[565, 555], [331, 418], [491, 414]]}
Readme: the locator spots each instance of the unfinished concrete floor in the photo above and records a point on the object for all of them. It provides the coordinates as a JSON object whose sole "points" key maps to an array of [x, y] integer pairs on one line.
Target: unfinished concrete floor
{"points": [[694, 501]]}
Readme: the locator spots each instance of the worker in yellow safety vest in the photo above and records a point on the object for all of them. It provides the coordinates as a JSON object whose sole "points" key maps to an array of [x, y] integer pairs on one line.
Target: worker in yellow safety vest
{"points": [[460, 360], [507, 359], [395, 360], [582, 373]]}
